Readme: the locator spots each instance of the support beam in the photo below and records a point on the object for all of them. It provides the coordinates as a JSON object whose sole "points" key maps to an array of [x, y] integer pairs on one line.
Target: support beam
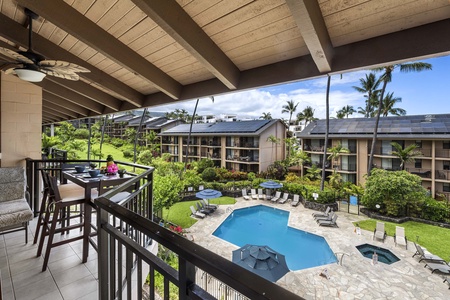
{"points": [[52, 98], [70, 20], [52, 106], [88, 91], [314, 32], [71, 96], [52, 116], [17, 34], [172, 18], [49, 111]]}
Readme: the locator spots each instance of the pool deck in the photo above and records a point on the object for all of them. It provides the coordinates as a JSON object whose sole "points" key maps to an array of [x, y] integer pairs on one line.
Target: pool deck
{"points": [[356, 278]]}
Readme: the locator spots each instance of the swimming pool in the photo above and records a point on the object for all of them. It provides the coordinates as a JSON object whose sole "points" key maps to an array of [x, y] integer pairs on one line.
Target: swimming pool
{"points": [[263, 225]]}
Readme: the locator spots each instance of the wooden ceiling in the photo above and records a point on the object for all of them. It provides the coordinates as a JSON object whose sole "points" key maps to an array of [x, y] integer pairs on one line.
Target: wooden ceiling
{"points": [[145, 53]]}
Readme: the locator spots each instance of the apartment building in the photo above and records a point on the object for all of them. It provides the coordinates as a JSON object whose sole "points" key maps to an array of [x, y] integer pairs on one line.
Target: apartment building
{"points": [[240, 146], [431, 134]]}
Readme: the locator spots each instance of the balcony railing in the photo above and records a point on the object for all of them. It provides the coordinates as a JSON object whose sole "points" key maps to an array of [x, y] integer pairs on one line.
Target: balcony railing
{"points": [[119, 251], [443, 153]]}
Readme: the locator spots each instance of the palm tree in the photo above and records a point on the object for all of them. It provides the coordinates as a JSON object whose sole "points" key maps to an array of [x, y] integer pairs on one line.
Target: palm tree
{"points": [[387, 77], [335, 152], [290, 108], [327, 127], [266, 116], [306, 115], [388, 106], [405, 155], [369, 86], [345, 112]]}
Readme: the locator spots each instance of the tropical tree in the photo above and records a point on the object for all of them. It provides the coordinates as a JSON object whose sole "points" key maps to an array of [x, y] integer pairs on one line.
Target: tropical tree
{"points": [[388, 106], [327, 127], [266, 116], [369, 86], [313, 173], [289, 108], [345, 112], [405, 155], [306, 115], [335, 152], [385, 78]]}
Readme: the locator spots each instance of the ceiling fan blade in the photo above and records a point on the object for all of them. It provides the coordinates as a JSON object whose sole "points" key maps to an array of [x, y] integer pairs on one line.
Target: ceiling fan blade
{"points": [[63, 65], [10, 71], [55, 73], [14, 55]]}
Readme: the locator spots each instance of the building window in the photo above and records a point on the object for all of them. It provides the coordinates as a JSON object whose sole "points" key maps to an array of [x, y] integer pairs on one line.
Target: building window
{"points": [[418, 164], [419, 144], [446, 145], [446, 164], [446, 187]]}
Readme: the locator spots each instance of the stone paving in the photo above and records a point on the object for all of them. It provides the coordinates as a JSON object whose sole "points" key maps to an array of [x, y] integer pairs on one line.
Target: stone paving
{"points": [[356, 278]]}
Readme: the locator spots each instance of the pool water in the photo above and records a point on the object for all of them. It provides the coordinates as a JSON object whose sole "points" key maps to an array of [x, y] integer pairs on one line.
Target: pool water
{"points": [[263, 225]]}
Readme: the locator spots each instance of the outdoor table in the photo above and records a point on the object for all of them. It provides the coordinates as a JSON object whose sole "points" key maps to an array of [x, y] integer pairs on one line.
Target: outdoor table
{"points": [[88, 183]]}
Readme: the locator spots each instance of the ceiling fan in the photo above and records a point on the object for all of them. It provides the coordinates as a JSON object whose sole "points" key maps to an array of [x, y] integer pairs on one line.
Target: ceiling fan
{"points": [[31, 66]]}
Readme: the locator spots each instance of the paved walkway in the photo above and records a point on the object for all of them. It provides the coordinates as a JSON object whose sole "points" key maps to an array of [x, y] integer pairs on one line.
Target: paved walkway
{"points": [[356, 278]]}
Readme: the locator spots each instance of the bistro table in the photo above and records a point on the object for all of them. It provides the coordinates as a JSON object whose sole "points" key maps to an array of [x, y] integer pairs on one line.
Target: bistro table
{"points": [[88, 183]]}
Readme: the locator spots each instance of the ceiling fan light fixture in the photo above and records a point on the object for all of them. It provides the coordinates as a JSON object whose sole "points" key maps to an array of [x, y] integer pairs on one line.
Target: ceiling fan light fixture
{"points": [[30, 75]]}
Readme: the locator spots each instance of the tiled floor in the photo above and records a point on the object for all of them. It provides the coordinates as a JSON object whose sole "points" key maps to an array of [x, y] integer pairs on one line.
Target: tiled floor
{"points": [[356, 278], [65, 278]]}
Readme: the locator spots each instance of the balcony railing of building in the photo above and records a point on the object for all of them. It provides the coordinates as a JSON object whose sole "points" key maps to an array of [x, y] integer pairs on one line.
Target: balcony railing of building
{"points": [[243, 145], [445, 153], [424, 173]]}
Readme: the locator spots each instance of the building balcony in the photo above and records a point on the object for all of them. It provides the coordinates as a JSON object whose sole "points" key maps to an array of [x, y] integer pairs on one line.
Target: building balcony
{"points": [[443, 153]]}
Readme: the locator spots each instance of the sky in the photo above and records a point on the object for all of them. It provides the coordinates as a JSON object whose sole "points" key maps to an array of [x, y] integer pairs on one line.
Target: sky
{"points": [[426, 92]]}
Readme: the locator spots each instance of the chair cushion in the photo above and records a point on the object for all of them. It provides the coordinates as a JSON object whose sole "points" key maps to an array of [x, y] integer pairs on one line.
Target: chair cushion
{"points": [[14, 212]]}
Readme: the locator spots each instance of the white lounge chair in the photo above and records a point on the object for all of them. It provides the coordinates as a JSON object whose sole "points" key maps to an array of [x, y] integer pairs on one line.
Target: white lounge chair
{"points": [[399, 237], [379, 232], [427, 256], [276, 197], [254, 194], [296, 200], [196, 214], [244, 194], [325, 218], [284, 198], [261, 195]]}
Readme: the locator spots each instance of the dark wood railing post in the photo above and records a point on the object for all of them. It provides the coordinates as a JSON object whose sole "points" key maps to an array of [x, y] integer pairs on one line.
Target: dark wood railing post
{"points": [[103, 255], [186, 272]]}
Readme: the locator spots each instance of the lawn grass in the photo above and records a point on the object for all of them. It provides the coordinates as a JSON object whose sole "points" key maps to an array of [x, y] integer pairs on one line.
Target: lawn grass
{"points": [[180, 213], [436, 239]]}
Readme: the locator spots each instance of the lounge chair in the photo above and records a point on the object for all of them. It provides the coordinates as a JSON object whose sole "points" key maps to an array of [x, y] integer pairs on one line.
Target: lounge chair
{"points": [[327, 218], [399, 237], [440, 268], [254, 194], [276, 197], [448, 282], [322, 214], [196, 214], [296, 200], [284, 198], [261, 194], [203, 209], [329, 223], [379, 232], [244, 194], [208, 205], [427, 256]]}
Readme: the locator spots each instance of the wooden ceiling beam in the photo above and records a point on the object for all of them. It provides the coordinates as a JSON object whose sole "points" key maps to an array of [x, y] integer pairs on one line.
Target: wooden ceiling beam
{"points": [[88, 91], [52, 98], [14, 32], [71, 96], [172, 18], [70, 20], [68, 112], [52, 115], [48, 110], [310, 22]]}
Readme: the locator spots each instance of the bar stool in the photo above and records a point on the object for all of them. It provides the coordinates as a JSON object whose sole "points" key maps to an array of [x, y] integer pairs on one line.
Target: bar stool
{"points": [[65, 188], [59, 203]]}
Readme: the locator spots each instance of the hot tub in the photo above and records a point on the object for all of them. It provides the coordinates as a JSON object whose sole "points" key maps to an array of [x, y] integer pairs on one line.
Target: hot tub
{"points": [[384, 255]]}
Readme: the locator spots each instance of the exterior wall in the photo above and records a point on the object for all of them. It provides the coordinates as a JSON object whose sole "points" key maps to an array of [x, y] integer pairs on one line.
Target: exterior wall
{"points": [[362, 160], [269, 152], [21, 121]]}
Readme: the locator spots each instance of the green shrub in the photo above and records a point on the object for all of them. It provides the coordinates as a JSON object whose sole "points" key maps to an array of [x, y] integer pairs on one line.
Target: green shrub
{"points": [[209, 174], [81, 133], [434, 210], [127, 153], [204, 163], [251, 176], [116, 142]]}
